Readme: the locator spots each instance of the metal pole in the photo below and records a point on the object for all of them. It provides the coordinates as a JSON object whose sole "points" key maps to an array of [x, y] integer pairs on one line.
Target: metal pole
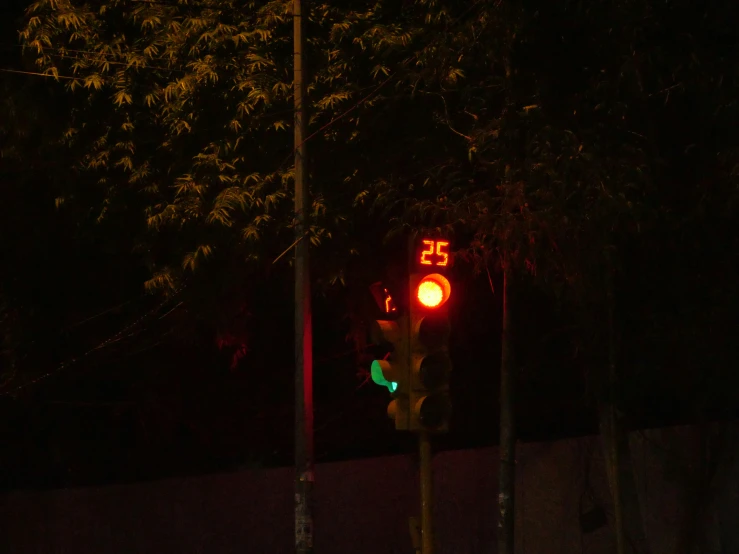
{"points": [[304, 463], [612, 438], [507, 475], [427, 526]]}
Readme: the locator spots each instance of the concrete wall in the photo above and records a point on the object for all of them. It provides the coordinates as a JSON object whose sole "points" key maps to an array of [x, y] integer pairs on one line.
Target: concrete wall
{"points": [[363, 507]]}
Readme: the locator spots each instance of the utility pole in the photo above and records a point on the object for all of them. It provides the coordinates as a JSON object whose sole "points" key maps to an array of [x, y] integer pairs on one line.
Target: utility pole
{"points": [[427, 502], [304, 463], [507, 449]]}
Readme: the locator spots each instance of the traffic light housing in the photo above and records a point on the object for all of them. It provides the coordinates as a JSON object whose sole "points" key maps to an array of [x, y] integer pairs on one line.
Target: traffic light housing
{"points": [[415, 332], [429, 330], [430, 365], [392, 371]]}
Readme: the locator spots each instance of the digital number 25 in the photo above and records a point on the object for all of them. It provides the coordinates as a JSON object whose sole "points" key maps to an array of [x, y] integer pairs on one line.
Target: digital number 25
{"points": [[438, 248]]}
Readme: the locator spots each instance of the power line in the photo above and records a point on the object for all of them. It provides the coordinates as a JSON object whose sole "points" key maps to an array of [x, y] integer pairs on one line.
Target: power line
{"points": [[114, 62], [102, 58], [110, 340], [100, 314], [18, 71], [71, 326]]}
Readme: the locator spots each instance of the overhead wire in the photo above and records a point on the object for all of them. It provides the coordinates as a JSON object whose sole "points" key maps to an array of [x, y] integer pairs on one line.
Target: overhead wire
{"points": [[120, 335], [70, 327], [35, 73]]}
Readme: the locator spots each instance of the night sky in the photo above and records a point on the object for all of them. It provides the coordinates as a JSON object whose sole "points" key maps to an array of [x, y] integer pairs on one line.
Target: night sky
{"points": [[170, 396]]}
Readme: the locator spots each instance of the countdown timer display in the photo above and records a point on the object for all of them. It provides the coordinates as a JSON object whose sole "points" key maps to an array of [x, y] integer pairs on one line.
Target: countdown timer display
{"points": [[434, 253]]}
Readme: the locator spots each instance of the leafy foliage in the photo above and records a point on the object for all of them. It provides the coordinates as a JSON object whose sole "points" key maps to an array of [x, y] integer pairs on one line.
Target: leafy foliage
{"points": [[554, 133], [189, 105]]}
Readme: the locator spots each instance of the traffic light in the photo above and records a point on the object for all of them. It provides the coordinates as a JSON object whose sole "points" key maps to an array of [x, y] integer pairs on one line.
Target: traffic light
{"points": [[415, 332], [390, 335], [392, 371], [429, 330]]}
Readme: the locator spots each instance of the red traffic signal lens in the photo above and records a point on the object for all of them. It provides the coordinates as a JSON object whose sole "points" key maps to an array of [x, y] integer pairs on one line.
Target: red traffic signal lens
{"points": [[433, 291], [430, 294]]}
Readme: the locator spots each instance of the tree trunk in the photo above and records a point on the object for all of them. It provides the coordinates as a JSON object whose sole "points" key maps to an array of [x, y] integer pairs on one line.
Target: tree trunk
{"points": [[706, 478], [724, 487], [507, 472]]}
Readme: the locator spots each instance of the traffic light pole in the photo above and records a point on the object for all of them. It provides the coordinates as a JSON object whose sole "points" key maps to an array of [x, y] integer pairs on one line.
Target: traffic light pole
{"points": [[427, 504], [304, 463]]}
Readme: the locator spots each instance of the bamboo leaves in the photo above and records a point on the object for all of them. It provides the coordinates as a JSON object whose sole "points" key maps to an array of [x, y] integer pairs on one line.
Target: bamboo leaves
{"points": [[430, 114]]}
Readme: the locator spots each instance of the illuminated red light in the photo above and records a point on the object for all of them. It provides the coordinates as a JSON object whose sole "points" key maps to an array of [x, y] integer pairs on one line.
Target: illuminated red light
{"points": [[430, 294], [433, 291]]}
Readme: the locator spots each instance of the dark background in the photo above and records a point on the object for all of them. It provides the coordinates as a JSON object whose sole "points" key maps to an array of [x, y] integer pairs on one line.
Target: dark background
{"points": [[185, 391]]}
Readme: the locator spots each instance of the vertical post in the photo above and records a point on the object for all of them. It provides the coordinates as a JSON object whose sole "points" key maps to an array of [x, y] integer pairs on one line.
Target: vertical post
{"points": [[303, 324], [507, 475], [611, 437], [414, 525], [427, 504]]}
